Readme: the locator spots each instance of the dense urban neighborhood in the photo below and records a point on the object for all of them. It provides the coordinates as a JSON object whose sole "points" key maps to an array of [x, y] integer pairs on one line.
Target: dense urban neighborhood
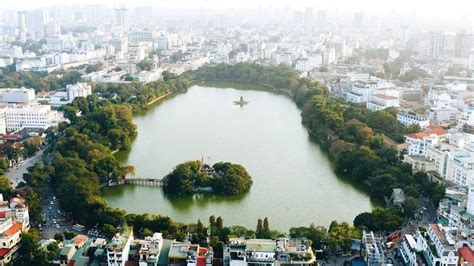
{"points": [[388, 98]]}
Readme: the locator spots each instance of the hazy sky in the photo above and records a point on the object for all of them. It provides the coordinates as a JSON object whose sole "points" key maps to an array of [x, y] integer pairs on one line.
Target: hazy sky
{"points": [[422, 7]]}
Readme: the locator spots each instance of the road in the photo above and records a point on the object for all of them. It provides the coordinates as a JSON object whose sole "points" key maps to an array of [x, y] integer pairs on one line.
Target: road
{"points": [[15, 174]]}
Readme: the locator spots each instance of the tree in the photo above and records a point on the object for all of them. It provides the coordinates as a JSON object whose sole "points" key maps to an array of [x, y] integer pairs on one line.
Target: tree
{"points": [[212, 220], [220, 222], [5, 186], [59, 237], [266, 226], [259, 229], [147, 232], [199, 226]]}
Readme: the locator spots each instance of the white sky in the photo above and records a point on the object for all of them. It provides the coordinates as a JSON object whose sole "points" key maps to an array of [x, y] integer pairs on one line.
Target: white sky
{"points": [[444, 8]]}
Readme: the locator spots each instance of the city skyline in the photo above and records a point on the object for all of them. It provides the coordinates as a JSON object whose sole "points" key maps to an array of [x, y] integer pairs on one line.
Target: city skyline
{"points": [[422, 8]]}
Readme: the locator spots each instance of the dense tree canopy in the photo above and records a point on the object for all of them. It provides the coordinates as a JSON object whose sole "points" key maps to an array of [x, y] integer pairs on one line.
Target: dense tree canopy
{"points": [[228, 179]]}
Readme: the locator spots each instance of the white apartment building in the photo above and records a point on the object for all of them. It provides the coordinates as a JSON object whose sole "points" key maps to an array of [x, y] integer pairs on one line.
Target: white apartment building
{"points": [[14, 219], [381, 101], [361, 91], [150, 249], [445, 253], [17, 95], [243, 252], [440, 114], [436, 246], [418, 142], [439, 154], [408, 118], [410, 247], [460, 167], [80, 89], [118, 249], [467, 116], [307, 64], [34, 116]]}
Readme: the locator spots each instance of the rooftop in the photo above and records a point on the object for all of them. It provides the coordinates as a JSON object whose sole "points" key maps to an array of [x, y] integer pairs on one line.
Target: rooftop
{"points": [[261, 245], [467, 254], [12, 230], [433, 131], [385, 97]]}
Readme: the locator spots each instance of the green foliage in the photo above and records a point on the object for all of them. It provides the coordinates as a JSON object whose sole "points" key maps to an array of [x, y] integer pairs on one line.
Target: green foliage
{"points": [[40, 81], [93, 68], [386, 219], [229, 179], [5, 186], [317, 235], [137, 95], [145, 65], [340, 235], [29, 252], [413, 74]]}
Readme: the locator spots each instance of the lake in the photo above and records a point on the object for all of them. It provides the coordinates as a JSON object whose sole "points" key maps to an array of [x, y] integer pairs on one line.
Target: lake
{"points": [[294, 183]]}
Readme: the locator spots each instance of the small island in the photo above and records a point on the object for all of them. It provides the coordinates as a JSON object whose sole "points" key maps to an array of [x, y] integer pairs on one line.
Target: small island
{"points": [[222, 178]]}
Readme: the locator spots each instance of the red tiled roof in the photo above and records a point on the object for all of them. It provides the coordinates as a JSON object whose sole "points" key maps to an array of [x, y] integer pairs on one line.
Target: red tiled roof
{"points": [[467, 254], [12, 230], [80, 239], [385, 97], [3, 252], [434, 130]]}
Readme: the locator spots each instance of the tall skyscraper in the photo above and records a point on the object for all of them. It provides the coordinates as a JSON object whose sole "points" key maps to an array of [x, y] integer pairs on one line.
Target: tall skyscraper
{"points": [[436, 45], [308, 17], [37, 19], [21, 26], [322, 18], [120, 17], [464, 44], [359, 19]]}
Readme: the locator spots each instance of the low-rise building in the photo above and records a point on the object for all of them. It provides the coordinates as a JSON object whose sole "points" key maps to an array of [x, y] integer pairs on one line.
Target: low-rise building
{"points": [[381, 101], [408, 118], [242, 252], [14, 219], [28, 116], [420, 163], [72, 91], [17, 95], [150, 249], [419, 141], [118, 248]]}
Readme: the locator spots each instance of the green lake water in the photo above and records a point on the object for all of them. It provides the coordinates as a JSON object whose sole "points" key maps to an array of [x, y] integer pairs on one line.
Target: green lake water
{"points": [[294, 184]]}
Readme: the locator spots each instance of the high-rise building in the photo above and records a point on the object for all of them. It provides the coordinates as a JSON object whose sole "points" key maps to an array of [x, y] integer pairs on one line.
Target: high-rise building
{"points": [[37, 19], [120, 16], [143, 15], [21, 26], [298, 17], [359, 19], [436, 45], [322, 18], [464, 44], [52, 29], [308, 17]]}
